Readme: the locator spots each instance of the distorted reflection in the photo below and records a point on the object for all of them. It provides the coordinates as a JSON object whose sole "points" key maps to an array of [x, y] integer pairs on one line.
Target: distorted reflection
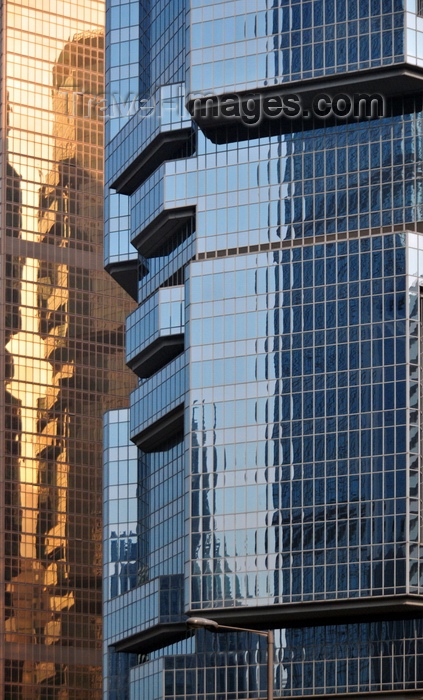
{"points": [[65, 361]]}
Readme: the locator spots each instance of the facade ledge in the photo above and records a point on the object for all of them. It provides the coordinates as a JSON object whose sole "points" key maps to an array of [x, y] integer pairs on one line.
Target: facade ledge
{"points": [[153, 237], [155, 331], [310, 614], [155, 637], [386, 695], [169, 425], [388, 82], [164, 147], [157, 405], [126, 274], [159, 353]]}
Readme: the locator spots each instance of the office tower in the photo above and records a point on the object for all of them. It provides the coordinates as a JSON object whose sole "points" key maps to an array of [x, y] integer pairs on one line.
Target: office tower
{"points": [[62, 359], [276, 481]]}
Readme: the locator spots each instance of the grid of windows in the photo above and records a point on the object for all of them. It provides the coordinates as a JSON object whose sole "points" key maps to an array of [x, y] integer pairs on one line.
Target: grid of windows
{"points": [[301, 365], [304, 184], [125, 45], [160, 511], [120, 517], [158, 395], [161, 315], [63, 356], [328, 451], [146, 50], [167, 42], [240, 46], [337, 659]]}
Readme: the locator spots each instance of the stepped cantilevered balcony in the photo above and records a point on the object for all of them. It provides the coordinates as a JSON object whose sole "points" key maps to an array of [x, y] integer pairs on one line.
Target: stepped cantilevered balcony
{"points": [[155, 331], [157, 405], [160, 130]]}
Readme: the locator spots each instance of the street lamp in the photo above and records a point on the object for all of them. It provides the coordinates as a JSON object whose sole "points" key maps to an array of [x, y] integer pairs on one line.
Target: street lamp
{"points": [[213, 626]]}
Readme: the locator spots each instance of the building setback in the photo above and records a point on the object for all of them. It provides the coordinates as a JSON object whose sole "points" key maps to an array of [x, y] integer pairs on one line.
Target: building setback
{"points": [[267, 219], [62, 361]]}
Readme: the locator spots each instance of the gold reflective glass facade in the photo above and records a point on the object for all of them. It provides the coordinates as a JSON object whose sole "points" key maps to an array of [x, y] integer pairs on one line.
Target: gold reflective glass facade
{"points": [[62, 338]]}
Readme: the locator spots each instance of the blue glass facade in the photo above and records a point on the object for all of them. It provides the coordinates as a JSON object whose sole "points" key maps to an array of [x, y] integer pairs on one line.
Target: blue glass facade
{"points": [[309, 427], [235, 46], [274, 436], [287, 41]]}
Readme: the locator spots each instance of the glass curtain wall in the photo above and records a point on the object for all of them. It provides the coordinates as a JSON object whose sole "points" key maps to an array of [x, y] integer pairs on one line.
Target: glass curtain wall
{"points": [[62, 356]]}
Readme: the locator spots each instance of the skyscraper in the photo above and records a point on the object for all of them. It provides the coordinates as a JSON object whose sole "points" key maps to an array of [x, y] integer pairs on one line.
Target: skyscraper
{"points": [[62, 361], [266, 210]]}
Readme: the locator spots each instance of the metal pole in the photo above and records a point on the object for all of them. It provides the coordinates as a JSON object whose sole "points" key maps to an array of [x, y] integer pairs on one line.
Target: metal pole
{"points": [[213, 626], [270, 654]]}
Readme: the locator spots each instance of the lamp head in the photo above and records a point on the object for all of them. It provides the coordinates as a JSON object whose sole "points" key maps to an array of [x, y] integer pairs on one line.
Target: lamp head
{"points": [[202, 623]]}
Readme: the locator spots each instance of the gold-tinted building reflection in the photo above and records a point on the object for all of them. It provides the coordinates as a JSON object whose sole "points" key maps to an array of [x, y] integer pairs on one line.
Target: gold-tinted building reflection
{"points": [[63, 355]]}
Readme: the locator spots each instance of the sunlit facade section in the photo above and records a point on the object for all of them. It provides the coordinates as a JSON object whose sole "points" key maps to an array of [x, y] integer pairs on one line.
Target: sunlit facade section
{"points": [[62, 361]]}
